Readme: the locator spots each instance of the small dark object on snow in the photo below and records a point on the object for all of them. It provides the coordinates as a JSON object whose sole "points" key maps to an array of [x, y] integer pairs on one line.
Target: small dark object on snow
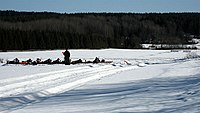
{"points": [[96, 60], [29, 60], [38, 61], [48, 61], [57, 61], [15, 61], [88, 61], [103, 61], [77, 61], [34, 63]]}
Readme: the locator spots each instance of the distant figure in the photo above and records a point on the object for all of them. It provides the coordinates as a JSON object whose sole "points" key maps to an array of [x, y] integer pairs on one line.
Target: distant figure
{"points": [[67, 57]]}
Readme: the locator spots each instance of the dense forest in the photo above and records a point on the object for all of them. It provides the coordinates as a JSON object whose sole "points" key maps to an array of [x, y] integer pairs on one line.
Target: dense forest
{"points": [[47, 30]]}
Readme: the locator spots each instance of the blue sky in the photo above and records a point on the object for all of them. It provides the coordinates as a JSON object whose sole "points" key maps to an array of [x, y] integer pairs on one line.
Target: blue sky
{"points": [[74, 6]]}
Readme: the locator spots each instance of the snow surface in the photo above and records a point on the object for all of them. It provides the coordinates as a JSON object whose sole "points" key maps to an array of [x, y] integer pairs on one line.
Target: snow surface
{"points": [[136, 81]]}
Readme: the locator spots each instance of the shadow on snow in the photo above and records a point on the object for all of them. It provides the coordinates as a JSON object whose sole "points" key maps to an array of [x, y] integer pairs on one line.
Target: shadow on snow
{"points": [[153, 95]]}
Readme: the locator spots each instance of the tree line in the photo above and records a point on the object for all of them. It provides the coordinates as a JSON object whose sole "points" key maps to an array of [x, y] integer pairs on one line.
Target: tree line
{"points": [[47, 30]]}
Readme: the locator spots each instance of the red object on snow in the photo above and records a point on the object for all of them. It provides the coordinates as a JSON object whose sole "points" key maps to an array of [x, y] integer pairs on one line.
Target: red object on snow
{"points": [[63, 53], [24, 62]]}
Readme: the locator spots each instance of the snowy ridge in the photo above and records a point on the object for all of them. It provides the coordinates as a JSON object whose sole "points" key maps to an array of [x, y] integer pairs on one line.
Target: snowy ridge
{"points": [[65, 87], [39, 86], [33, 83], [34, 76]]}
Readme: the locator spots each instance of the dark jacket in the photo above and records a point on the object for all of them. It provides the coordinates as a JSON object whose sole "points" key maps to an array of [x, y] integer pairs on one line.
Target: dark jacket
{"points": [[67, 56]]}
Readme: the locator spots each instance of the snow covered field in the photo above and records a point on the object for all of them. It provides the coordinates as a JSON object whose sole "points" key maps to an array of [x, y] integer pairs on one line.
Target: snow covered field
{"points": [[154, 81]]}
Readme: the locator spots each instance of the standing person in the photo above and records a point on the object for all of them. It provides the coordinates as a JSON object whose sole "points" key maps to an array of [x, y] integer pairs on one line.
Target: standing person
{"points": [[67, 57]]}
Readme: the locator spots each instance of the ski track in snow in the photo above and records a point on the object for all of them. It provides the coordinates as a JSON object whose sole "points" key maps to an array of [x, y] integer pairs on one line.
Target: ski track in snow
{"points": [[38, 81], [174, 94], [166, 95], [18, 92]]}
